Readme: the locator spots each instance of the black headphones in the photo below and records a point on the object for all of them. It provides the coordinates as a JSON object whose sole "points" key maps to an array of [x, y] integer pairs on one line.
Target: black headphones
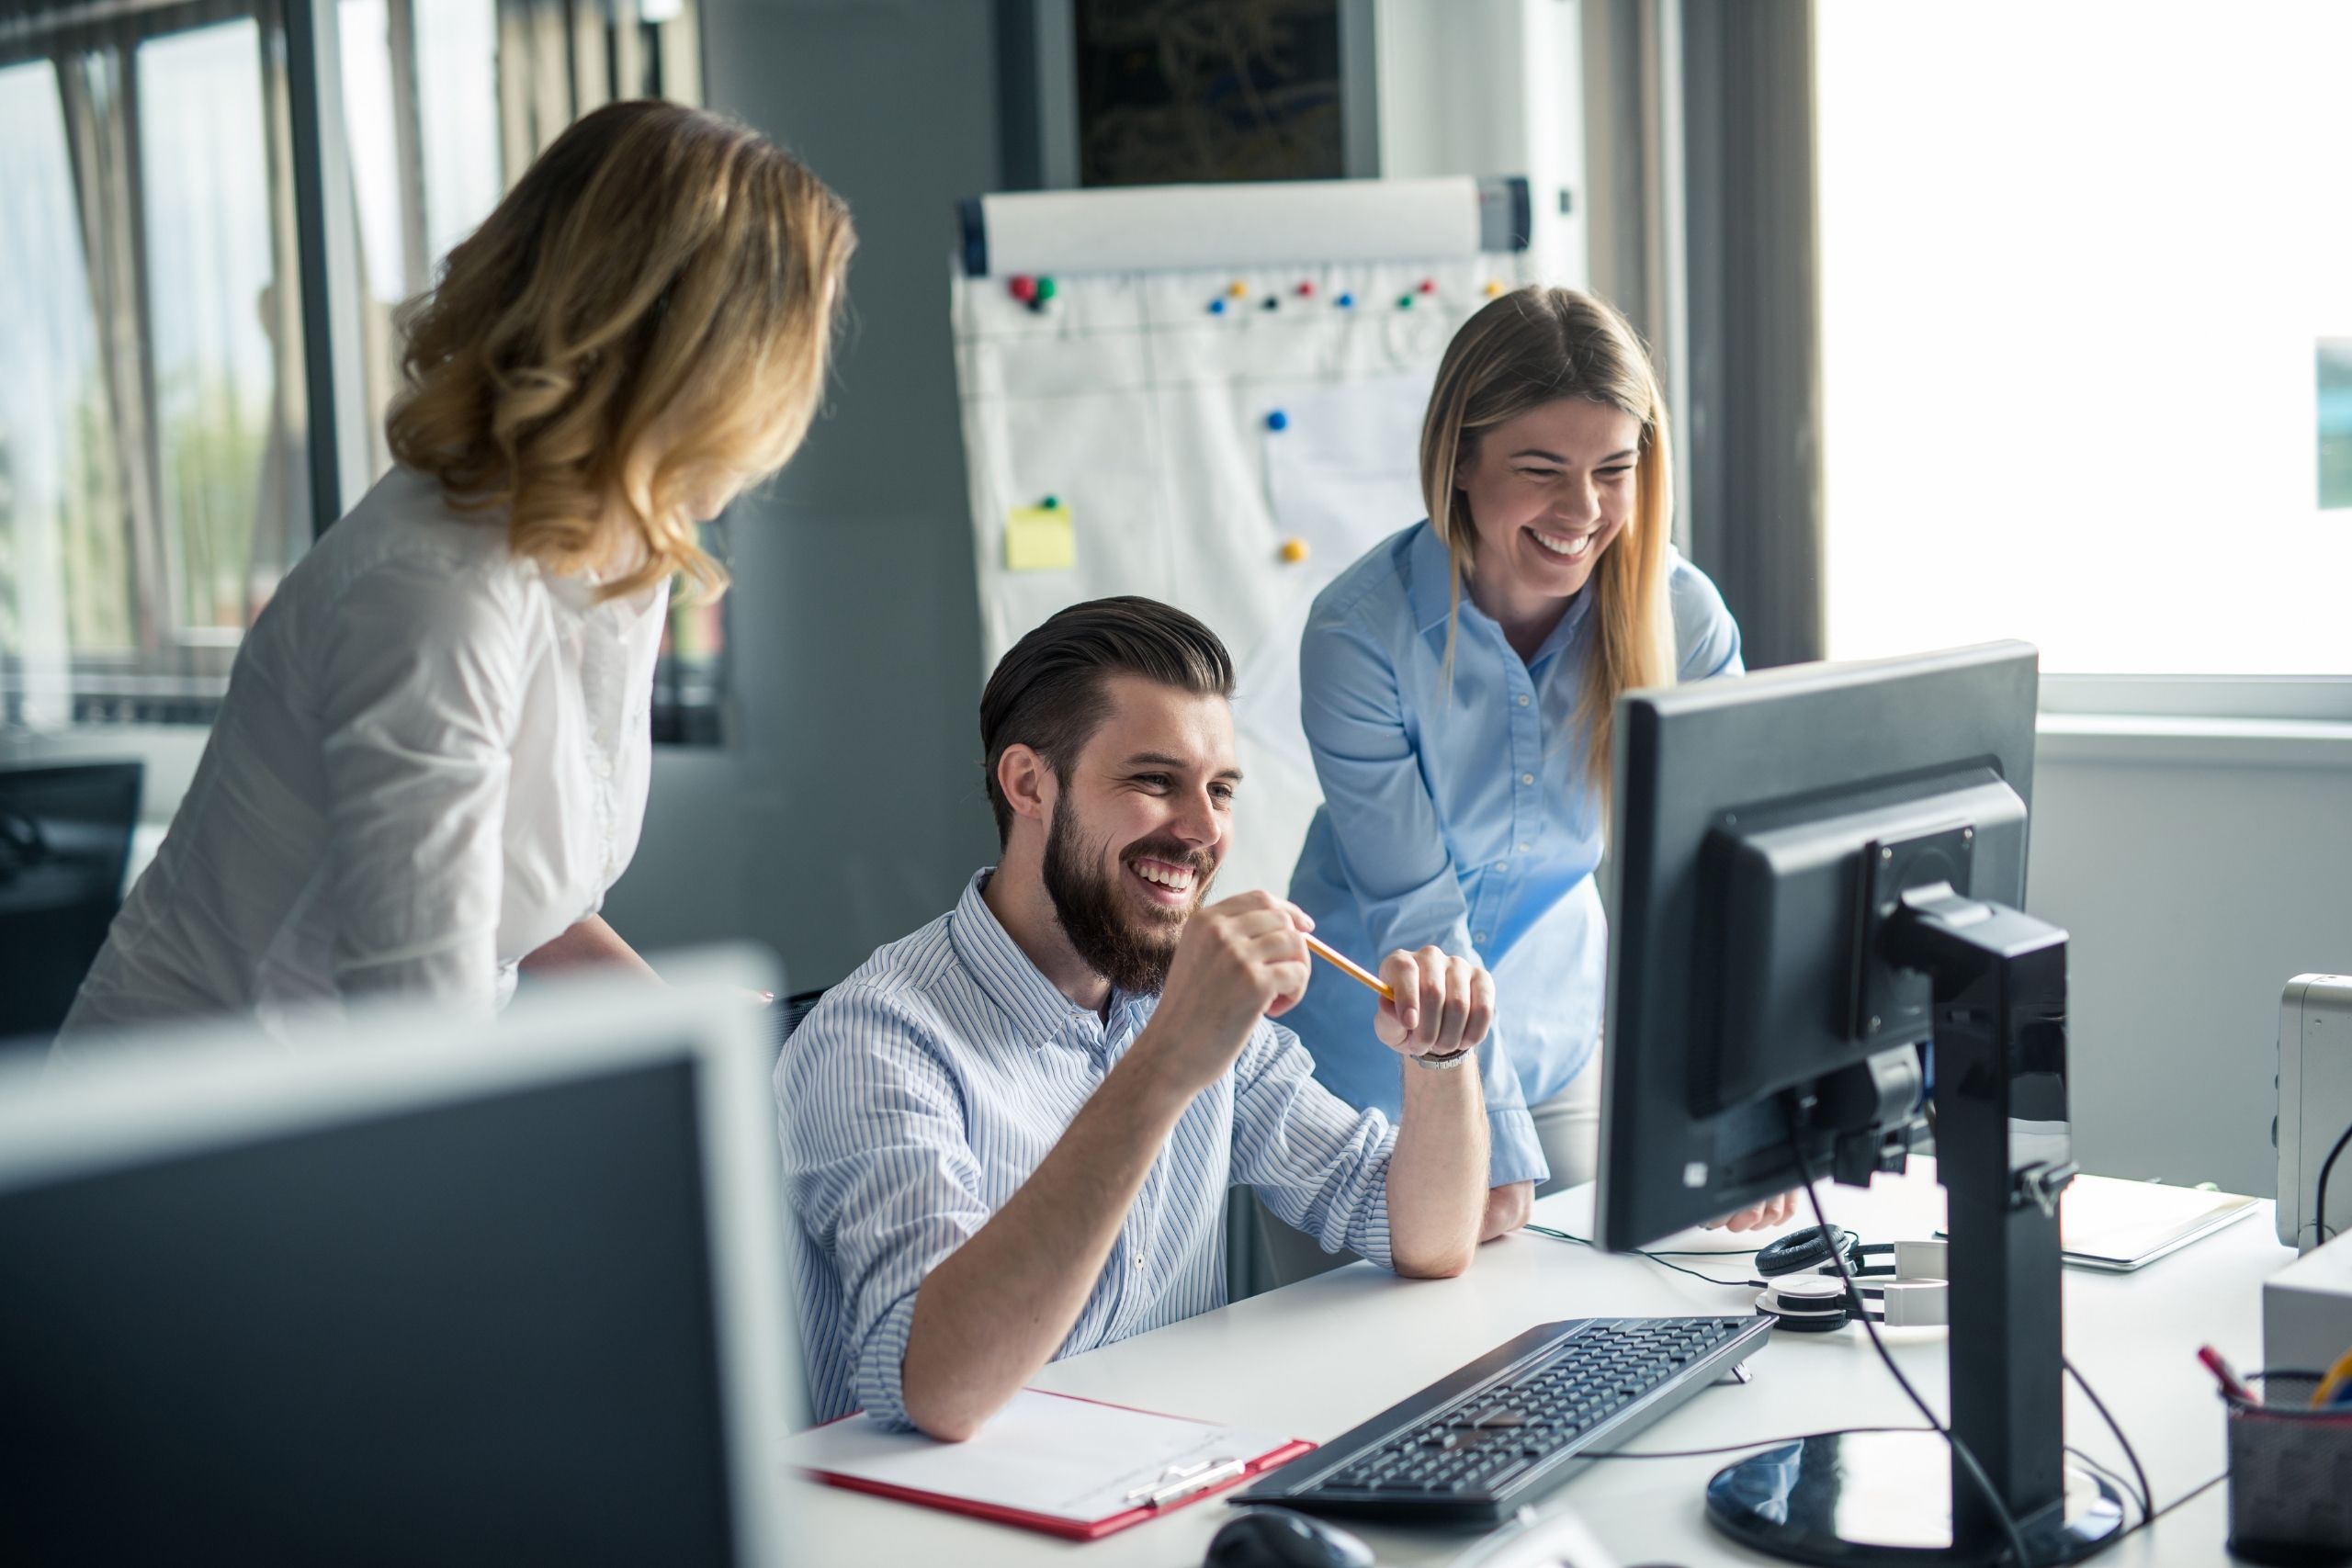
{"points": [[1808, 1297], [1812, 1248]]}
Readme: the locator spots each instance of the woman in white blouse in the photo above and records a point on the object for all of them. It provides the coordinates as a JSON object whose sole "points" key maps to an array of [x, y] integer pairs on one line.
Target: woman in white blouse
{"points": [[431, 760]]}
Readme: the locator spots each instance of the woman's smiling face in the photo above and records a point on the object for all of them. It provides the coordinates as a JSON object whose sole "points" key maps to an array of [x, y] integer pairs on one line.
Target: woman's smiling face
{"points": [[1549, 490]]}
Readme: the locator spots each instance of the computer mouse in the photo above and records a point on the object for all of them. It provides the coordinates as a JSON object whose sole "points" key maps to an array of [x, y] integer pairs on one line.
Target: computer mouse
{"points": [[1275, 1538]]}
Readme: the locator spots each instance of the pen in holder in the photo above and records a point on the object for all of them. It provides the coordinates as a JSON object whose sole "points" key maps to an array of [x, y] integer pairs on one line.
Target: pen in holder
{"points": [[2290, 1473]]}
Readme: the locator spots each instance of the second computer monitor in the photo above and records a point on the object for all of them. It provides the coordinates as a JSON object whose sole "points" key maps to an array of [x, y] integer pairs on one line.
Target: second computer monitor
{"points": [[1761, 828], [422, 1289]]}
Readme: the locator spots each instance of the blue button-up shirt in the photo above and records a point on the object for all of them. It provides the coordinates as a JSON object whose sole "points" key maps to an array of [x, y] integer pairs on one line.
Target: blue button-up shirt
{"points": [[926, 1088], [1459, 813]]}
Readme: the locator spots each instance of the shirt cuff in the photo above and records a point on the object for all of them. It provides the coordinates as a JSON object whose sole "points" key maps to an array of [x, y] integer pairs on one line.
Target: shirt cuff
{"points": [[882, 1367], [1513, 1151]]}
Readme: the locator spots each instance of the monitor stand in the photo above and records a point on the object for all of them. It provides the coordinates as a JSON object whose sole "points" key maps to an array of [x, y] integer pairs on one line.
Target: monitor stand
{"points": [[2001, 1152]]}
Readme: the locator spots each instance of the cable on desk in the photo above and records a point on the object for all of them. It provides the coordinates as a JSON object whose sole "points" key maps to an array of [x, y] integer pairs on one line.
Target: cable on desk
{"points": [[2326, 1166], [2119, 1536], [1960, 1449], [2108, 1474], [2147, 1492], [1657, 1257]]}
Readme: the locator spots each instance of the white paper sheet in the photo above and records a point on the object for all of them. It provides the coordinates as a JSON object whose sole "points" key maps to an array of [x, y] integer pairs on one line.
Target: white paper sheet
{"points": [[2105, 1221], [1043, 1453]]}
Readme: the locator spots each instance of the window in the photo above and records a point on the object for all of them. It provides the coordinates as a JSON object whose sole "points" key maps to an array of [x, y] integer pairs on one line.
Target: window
{"points": [[154, 454], [229, 474], [2079, 266], [65, 578], [149, 369]]}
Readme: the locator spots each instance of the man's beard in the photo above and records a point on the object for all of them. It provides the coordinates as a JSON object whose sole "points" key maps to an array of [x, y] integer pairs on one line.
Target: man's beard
{"points": [[1129, 947]]}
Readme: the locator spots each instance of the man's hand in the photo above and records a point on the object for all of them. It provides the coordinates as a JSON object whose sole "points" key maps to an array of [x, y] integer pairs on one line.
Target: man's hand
{"points": [[1238, 961], [1761, 1216], [1508, 1208], [1443, 1004]]}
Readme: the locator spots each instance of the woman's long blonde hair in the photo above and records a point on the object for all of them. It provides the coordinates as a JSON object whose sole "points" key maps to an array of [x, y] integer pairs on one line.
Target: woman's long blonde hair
{"points": [[1531, 347], [650, 306]]}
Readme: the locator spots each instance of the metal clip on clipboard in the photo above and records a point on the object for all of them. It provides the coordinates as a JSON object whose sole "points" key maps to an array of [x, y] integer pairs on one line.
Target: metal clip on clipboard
{"points": [[1181, 1481]]}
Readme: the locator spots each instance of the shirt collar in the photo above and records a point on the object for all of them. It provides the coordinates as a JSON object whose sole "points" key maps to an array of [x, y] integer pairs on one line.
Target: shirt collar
{"points": [[1037, 1009], [1428, 578]]}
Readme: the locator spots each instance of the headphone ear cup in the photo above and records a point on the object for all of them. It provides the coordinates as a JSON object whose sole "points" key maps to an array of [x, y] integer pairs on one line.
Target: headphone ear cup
{"points": [[1808, 1304], [1803, 1250]]}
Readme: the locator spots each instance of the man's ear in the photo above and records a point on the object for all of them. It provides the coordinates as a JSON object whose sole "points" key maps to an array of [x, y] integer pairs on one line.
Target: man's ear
{"points": [[1027, 781]]}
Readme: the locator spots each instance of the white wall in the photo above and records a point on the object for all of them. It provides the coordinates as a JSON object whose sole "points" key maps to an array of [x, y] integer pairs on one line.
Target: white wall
{"points": [[849, 810], [1490, 87], [2196, 875]]}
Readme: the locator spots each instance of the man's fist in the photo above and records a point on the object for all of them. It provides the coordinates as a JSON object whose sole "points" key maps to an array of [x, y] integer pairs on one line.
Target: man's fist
{"points": [[1239, 961], [1443, 1004]]}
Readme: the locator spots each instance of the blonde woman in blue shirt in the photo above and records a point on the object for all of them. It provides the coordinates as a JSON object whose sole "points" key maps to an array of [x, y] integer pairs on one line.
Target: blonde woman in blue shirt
{"points": [[1459, 683]]}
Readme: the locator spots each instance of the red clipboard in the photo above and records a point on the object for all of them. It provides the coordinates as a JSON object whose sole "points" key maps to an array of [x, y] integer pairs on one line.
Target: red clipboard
{"points": [[1056, 1524]]}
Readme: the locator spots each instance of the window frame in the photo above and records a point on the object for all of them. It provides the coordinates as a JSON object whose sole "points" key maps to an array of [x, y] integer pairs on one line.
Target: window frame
{"points": [[609, 46]]}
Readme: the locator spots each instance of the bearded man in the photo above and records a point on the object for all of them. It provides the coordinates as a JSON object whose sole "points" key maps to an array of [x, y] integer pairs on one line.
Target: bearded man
{"points": [[1008, 1137]]}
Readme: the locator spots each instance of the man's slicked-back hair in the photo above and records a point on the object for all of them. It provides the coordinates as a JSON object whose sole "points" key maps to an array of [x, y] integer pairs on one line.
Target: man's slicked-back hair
{"points": [[1047, 690]]}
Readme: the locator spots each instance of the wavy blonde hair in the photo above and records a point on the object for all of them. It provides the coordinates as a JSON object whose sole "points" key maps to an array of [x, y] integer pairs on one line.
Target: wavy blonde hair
{"points": [[648, 312], [1530, 347]]}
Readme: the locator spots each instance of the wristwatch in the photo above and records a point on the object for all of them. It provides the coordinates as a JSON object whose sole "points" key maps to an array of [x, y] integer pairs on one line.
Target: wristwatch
{"points": [[1451, 1060]]}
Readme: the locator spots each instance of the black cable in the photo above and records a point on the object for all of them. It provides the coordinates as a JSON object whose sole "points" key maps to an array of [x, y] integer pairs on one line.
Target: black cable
{"points": [[2148, 1492], [1657, 1257], [1742, 1447], [2107, 1475], [1960, 1449], [2119, 1536], [2327, 1165]]}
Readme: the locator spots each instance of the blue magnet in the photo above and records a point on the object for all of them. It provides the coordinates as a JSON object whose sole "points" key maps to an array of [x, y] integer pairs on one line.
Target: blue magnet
{"points": [[1278, 420], [1344, 300], [1216, 307]]}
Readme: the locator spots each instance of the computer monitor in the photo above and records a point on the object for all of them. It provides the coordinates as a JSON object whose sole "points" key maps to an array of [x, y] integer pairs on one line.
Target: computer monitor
{"points": [[1815, 911], [64, 845], [417, 1291]]}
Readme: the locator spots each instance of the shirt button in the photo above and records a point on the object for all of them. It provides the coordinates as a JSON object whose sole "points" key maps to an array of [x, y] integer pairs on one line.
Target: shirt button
{"points": [[1527, 778], [1522, 849], [1523, 699], [1504, 864], [1480, 938]]}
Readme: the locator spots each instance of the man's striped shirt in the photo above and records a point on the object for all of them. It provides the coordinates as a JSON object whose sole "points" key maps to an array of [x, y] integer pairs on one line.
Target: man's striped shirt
{"points": [[923, 1090]]}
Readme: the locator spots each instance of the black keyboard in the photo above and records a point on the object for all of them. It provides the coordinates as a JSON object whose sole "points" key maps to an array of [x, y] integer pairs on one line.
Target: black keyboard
{"points": [[1474, 1445]]}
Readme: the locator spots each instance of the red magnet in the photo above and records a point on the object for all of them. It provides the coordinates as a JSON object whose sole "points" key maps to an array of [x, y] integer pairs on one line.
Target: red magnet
{"points": [[1024, 288]]}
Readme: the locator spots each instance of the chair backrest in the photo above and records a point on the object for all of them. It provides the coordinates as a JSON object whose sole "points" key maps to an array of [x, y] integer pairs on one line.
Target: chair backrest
{"points": [[64, 845], [791, 1010]]}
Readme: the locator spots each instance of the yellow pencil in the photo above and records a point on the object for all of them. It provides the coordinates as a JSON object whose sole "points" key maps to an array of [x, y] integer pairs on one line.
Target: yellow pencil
{"points": [[1349, 967]]}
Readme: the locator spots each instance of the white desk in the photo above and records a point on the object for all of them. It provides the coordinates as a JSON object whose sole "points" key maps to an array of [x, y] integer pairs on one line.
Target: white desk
{"points": [[1316, 1357]]}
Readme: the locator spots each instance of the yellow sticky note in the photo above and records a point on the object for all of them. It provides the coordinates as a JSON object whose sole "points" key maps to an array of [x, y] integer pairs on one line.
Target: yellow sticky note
{"points": [[1039, 538]]}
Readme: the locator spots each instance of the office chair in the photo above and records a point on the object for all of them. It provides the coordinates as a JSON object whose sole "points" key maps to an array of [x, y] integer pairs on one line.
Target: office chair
{"points": [[790, 1011], [65, 846]]}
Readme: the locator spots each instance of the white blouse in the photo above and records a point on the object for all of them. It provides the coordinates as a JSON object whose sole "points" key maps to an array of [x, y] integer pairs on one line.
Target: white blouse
{"points": [[432, 759]]}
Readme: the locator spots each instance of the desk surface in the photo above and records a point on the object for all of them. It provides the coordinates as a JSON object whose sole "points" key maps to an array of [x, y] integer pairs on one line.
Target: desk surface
{"points": [[1316, 1357]]}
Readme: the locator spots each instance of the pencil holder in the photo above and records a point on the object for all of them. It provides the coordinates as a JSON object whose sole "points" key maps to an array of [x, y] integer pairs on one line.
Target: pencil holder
{"points": [[2290, 1476]]}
